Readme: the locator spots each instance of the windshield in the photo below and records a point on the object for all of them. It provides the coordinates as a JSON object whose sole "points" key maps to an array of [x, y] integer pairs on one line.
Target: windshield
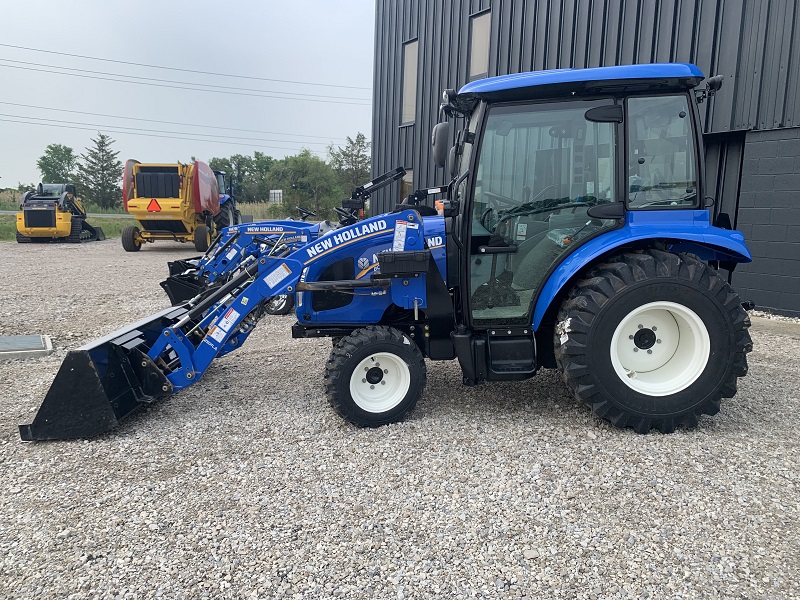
{"points": [[538, 156], [221, 183], [51, 189]]}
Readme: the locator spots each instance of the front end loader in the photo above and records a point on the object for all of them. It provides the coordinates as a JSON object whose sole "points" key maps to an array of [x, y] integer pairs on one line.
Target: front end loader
{"points": [[190, 277], [53, 212], [575, 235]]}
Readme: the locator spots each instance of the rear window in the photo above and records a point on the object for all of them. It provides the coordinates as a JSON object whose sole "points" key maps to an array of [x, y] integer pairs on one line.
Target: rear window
{"points": [[662, 160]]}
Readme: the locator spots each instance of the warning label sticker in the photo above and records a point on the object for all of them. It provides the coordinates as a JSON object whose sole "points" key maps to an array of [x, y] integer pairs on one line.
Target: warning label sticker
{"points": [[277, 275], [400, 231], [231, 253], [399, 236], [228, 320], [217, 334]]}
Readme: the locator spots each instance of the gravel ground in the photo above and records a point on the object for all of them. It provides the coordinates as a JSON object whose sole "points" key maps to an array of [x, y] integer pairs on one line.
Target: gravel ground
{"points": [[248, 485]]}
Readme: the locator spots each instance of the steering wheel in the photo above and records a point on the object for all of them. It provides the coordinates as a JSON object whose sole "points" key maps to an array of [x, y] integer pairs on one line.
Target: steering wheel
{"points": [[304, 214], [484, 220]]}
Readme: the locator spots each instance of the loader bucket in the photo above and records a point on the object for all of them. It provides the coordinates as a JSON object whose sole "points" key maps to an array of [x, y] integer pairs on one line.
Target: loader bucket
{"points": [[176, 267], [101, 383], [184, 286]]}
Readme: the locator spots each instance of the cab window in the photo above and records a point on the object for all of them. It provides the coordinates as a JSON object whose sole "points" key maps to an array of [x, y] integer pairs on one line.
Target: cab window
{"points": [[662, 161]]}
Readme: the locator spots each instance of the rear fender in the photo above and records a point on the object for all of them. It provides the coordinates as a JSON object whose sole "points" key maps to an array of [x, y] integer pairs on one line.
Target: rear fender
{"points": [[698, 237]]}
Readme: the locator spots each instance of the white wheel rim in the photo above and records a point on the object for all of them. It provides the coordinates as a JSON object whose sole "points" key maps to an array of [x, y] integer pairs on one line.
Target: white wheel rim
{"points": [[380, 382], [660, 348]]}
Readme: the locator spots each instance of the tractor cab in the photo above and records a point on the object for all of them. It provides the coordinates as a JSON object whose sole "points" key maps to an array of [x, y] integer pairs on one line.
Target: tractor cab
{"points": [[224, 183], [544, 167]]}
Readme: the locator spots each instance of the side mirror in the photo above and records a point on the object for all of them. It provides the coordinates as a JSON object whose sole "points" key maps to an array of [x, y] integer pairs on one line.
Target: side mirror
{"points": [[714, 83], [440, 142]]}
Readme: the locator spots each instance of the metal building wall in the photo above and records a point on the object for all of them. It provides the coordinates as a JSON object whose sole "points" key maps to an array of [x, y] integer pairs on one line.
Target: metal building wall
{"points": [[754, 43]]}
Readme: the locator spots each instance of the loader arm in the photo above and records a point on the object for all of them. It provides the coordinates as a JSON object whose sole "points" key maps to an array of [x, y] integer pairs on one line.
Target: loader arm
{"points": [[101, 383]]}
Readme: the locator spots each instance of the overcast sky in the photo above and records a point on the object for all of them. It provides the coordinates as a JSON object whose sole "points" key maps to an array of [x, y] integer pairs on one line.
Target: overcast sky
{"points": [[295, 49]]}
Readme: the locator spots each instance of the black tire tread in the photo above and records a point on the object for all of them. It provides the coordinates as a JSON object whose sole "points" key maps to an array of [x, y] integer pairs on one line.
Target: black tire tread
{"points": [[200, 238], [128, 237], [224, 218], [589, 295], [76, 228]]}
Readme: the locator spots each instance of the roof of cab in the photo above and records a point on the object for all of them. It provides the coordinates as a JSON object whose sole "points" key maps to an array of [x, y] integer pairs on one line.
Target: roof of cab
{"points": [[678, 75]]}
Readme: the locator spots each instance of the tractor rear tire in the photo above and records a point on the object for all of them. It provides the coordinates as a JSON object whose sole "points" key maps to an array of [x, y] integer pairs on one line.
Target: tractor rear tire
{"points": [[23, 239], [280, 305], [131, 241], [375, 376], [224, 218], [652, 340], [237, 217], [202, 238]]}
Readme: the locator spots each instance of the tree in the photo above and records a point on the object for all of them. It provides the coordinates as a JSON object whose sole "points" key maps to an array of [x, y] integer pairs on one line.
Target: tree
{"points": [[351, 163], [58, 164], [306, 179], [250, 175], [101, 173]]}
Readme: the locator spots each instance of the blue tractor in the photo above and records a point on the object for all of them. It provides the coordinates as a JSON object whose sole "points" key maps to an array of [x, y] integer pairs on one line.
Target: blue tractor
{"points": [[576, 234], [228, 212]]}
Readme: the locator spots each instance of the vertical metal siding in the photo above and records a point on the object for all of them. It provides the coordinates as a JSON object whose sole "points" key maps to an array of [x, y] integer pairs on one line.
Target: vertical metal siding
{"points": [[753, 43]]}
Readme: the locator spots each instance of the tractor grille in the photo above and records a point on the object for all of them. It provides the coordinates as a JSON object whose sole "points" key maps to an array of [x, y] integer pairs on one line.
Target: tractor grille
{"points": [[40, 218], [165, 226]]}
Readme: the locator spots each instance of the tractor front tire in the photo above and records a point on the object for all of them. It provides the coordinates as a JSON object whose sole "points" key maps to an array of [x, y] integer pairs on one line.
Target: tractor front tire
{"points": [[202, 238], [131, 240], [375, 376], [280, 305], [652, 340]]}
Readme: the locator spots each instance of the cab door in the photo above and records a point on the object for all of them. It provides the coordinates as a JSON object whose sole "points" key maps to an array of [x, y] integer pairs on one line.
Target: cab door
{"points": [[540, 167]]}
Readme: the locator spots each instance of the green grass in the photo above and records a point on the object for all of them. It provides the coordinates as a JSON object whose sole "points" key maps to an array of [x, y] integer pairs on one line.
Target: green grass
{"points": [[8, 228], [111, 226], [9, 200], [262, 211]]}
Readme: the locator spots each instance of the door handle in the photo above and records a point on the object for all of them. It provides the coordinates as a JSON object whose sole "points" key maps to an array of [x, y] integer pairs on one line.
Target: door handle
{"points": [[512, 249]]}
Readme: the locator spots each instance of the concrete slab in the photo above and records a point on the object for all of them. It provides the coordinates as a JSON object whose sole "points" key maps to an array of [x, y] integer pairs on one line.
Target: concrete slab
{"points": [[777, 326], [15, 347]]}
